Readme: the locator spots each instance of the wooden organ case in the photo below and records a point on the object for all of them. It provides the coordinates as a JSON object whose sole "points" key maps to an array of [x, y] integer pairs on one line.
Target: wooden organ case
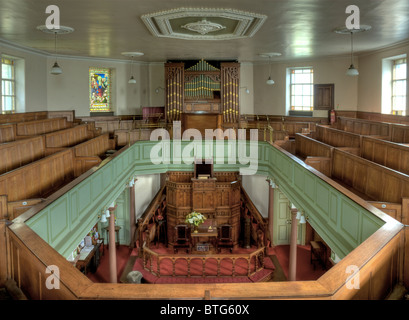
{"points": [[218, 198], [202, 95]]}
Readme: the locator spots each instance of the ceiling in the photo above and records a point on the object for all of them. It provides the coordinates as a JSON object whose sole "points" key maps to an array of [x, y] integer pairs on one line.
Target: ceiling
{"points": [[298, 29]]}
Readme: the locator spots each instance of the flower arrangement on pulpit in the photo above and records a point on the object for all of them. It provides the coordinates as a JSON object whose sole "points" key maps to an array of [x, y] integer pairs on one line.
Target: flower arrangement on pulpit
{"points": [[195, 219]]}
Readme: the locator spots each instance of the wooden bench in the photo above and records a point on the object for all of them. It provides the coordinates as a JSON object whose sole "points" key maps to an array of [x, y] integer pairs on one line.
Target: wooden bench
{"points": [[22, 117], [38, 127], [96, 147], [388, 154], [68, 137], [399, 133], [363, 127], [375, 181], [337, 138], [21, 152], [7, 133]]}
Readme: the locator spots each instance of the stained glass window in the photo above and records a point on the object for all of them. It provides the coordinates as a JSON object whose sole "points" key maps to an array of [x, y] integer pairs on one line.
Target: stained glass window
{"points": [[99, 89]]}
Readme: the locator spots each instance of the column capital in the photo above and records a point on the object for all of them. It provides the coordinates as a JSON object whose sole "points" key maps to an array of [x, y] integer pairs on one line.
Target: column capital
{"points": [[271, 182]]}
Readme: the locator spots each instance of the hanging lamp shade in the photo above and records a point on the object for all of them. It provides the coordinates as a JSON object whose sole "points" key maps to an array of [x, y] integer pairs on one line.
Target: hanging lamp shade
{"points": [[107, 214], [352, 72], [103, 218], [298, 217], [132, 80], [56, 69], [302, 220], [270, 81]]}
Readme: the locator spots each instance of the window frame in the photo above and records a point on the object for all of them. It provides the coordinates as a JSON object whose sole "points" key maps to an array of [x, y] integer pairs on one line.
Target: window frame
{"points": [[292, 107], [394, 81], [11, 80]]}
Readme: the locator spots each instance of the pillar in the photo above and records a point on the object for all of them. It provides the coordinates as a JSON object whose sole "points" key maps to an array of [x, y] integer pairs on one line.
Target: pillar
{"points": [[132, 220], [112, 248], [292, 269], [272, 186]]}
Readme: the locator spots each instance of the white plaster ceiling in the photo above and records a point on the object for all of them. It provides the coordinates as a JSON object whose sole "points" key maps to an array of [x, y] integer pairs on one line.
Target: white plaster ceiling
{"points": [[298, 29]]}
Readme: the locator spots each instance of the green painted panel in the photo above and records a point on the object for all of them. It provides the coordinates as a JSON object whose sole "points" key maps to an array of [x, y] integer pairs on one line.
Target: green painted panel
{"points": [[342, 223], [59, 218]]}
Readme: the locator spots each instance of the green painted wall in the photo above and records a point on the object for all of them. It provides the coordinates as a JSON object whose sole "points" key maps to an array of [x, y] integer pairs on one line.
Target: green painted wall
{"points": [[342, 223]]}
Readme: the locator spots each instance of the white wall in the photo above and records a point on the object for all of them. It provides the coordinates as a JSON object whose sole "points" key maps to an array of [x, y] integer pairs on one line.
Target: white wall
{"points": [[272, 99], [257, 189], [370, 78], [125, 98], [34, 82], [146, 187]]}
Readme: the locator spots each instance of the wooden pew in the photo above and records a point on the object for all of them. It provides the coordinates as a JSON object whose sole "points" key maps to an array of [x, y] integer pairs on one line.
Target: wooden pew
{"points": [[125, 137], [37, 127], [7, 133], [22, 117], [68, 137], [337, 138], [388, 154], [314, 153], [21, 152], [363, 127], [399, 133], [96, 147], [371, 181]]}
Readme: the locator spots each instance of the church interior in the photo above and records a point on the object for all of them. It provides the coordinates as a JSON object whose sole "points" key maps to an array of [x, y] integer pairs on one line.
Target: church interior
{"points": [[225, 150]]}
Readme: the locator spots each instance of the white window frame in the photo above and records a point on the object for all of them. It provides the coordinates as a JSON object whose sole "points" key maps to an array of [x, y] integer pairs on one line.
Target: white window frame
{"points": [[13, 81], [292, 106], [395, 110]]}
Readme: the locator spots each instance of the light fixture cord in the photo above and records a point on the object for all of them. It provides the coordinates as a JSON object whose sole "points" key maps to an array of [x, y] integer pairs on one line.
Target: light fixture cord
{"points": [[55, 45], [352, 49]]}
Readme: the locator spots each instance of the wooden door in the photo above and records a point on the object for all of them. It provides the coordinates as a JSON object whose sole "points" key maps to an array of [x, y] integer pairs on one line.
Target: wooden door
{"points": [[324, 96]]}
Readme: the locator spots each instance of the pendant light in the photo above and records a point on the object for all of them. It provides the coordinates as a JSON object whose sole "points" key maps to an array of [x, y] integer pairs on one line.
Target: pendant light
{"points": [[132, 55], [352, 72], [55, 70], [132, 79], [270, 81]]}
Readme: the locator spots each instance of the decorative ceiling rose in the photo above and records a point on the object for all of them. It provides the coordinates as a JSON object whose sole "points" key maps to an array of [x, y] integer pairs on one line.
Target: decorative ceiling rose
{"points": [[61, 30], [180, 23], [203, 26]]}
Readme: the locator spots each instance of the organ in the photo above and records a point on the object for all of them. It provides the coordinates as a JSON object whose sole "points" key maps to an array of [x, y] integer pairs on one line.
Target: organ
{"points": [[201, 94]]}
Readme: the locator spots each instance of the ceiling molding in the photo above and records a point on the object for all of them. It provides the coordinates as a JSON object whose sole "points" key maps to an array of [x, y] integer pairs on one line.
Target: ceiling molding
{"points": [[246, 23]]}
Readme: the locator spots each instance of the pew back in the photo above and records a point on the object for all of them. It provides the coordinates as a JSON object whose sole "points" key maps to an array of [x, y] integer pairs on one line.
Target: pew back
{"points": [[400, 133], [38, 179], [371, 179], [388, 154], [67, 137], [337, 138], [93, 147], [363, 127], [7, 133], [21, 152], [22, 117], [306, 146], [37, 127]]}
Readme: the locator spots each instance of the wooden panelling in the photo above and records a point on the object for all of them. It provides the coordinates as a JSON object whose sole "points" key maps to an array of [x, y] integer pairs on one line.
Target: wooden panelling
{"points": [[337, 138], [69, 115], [38, 179], [68, 137], [93, 147], [7, 133], [399, 133], [33, 128], [322, 164], [363, 127], [21, 117], [375, 181], [130, 136], [388, 154], [306, 146], [18, 153]]}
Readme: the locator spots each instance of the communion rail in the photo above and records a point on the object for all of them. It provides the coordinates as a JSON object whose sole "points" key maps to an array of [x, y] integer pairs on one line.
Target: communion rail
{"points": [[152, 262]]}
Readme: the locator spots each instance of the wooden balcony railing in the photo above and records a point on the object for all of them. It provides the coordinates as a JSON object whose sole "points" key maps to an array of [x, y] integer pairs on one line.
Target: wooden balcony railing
{"points": [[152, 262]]}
